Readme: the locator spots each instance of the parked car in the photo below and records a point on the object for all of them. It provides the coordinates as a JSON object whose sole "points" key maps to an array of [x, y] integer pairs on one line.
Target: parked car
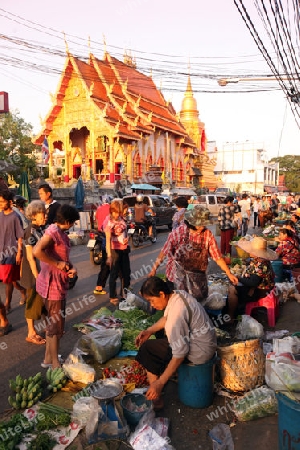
{"points": [[212, 202], [162, 208]]}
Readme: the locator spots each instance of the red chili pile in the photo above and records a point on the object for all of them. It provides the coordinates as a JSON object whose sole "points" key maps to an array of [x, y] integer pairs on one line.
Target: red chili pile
{"points": [[129, 373]]}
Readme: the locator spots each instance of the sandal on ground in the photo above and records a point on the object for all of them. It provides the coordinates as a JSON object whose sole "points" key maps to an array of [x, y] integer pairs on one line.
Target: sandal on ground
{"points": [[158, 404], [114, 301], [36, 339], [5, 330], [46, 366], [99, 291]]}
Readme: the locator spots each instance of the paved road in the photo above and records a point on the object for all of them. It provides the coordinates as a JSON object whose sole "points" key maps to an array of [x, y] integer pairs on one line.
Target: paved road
{"points": [[19, 357]]}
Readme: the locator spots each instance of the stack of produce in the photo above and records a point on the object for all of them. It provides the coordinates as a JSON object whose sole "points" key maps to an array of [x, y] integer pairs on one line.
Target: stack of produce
{"points": [[28, 391], [17, 423], [56, 379], [52, 416], [133, 373], [133, 323]]}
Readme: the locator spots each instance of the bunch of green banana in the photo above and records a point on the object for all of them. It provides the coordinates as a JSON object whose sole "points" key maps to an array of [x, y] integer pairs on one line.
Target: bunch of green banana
{"points": [[28, 391], [56, 379]]}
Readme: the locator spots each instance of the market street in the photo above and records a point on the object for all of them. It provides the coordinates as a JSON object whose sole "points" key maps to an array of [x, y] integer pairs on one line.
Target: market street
{"points": [[20, 357], [189, 427]]}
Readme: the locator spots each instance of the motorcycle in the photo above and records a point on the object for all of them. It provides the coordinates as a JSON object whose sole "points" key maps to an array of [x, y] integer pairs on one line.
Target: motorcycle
{"points": [[95, 245], [139, 232]]}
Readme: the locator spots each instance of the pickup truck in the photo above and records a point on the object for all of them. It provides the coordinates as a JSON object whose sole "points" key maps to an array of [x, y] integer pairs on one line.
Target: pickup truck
{"points": [[212, 202]]}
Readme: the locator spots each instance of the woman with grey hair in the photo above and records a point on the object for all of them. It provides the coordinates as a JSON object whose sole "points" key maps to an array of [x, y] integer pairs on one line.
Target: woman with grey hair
{"points": [[36, 213]]}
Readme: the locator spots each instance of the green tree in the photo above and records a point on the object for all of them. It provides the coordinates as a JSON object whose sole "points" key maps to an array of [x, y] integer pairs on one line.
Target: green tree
{"points": [[289, 166], [17, 152]]}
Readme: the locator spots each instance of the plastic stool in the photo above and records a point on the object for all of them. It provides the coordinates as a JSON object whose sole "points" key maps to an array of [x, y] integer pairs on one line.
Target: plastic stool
{"points": [[271, 303]]}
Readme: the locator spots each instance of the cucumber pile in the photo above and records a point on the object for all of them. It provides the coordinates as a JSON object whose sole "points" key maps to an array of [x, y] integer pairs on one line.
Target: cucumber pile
{"points": [[56, 379], [28, 391]]}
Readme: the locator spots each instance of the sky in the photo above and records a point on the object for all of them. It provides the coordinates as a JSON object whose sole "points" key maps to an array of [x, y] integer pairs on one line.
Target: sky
{"points": [[206, 39]]}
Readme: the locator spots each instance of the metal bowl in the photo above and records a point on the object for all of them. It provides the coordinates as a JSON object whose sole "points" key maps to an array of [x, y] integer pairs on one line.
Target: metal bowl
{"points": [[105, 390]]}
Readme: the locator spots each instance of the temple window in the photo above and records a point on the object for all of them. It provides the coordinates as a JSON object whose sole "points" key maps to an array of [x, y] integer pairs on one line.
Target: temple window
{"points": [[149, 163], [161, 164]]}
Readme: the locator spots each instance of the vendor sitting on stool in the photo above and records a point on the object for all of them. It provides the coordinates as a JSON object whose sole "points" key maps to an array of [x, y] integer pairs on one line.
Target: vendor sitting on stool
{"points": [[258, 278], [288, 250], [190, 336]]}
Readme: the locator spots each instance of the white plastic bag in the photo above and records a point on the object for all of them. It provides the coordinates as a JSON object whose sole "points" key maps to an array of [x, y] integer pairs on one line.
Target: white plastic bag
{"points": [[84, 408], [289, 373], [147, 438], [134, 300], [217, 294], [221, 437], [249, 328], [289, 344]]}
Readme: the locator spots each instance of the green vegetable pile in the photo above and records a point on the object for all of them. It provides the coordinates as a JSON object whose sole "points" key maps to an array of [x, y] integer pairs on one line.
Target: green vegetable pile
{"points": [[134, 322], [235, 261], [12, 431], [43, 441], [56, 379], [53, 416], [28, 391]]}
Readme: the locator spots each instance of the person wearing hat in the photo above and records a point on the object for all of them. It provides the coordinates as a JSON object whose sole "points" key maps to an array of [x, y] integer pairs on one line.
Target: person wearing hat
{"points": [[187, 250], [258, 278]]}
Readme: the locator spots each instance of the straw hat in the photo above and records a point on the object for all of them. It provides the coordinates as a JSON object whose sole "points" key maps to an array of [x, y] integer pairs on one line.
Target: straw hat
{"points": [[258, 246], [197, 217]]}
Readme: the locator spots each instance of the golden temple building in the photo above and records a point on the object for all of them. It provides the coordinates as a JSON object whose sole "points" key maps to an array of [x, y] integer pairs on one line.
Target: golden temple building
{"points": [[189, 117], [108, 120]]}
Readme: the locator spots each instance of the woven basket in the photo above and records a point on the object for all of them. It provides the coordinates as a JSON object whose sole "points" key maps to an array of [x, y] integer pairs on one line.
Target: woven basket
{"points": [[242, 365]]}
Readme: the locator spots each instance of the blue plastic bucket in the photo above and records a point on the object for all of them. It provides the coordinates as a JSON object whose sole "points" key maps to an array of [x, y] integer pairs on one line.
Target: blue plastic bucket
{"points": [[288, 423], [138, 400], [277, 267], [196, 383]]}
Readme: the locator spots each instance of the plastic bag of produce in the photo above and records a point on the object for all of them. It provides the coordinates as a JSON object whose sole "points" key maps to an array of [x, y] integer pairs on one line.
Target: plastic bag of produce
{"points": [[249, 328], [288, 372], [260, 402], [101, 344], [217, 294], [79, 372]]}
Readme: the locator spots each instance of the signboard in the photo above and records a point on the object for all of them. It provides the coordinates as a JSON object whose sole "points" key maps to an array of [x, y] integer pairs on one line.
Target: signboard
{"points": [[4, 102]]}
